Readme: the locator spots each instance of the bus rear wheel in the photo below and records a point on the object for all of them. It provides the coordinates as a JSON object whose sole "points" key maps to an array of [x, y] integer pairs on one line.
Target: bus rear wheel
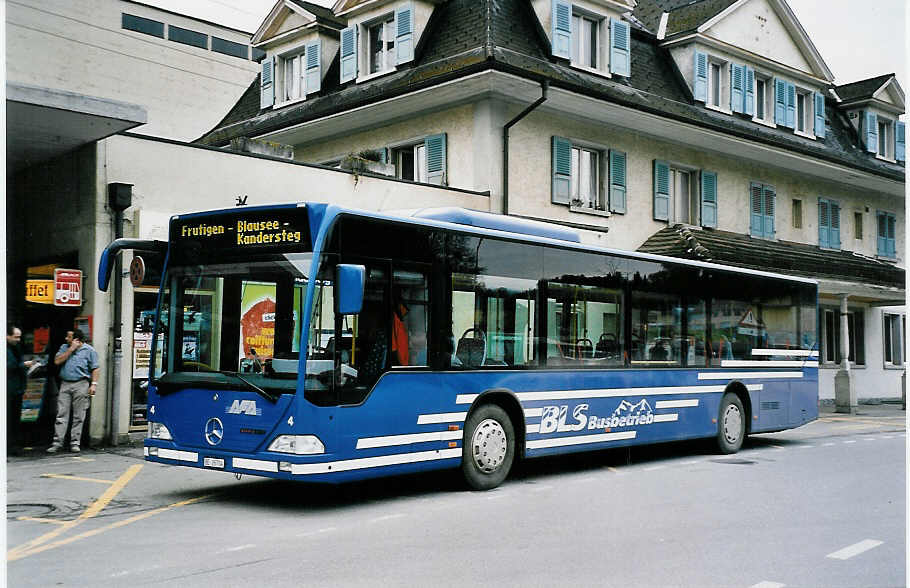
{"points": [[488, 448], [731, 424]]}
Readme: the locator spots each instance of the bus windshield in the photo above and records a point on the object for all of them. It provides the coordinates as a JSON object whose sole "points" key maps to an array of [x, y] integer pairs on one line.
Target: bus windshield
{"points": [[241, 320]]}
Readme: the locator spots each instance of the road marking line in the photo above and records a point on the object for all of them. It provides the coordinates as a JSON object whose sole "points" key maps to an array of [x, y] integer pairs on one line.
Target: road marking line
{"points": [[40, 520], [869, 439], [767, 584], [93, 509], [805, 446], [850, 441], [690, 462], [79, 478], [855, 549], [240, 547], [115, 525], [317, 532], [387, 518], [827, 444], [653, 468]]}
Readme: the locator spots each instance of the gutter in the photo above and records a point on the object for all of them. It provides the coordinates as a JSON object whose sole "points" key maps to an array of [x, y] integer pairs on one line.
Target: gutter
{"points": [[544, 86]]}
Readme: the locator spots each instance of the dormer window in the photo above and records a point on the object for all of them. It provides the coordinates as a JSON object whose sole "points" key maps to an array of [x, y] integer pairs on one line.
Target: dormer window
{"points": [[381, 44], [586, 41], [884, 137], [590, 40], [292, 69]]}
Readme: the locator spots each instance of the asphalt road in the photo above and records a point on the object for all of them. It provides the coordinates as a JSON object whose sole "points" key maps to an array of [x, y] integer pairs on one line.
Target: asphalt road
{"points": [[823, 505]]}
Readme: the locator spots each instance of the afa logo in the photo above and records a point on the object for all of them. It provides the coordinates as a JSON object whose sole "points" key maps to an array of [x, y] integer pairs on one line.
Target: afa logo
{"points": [[247, 407]]}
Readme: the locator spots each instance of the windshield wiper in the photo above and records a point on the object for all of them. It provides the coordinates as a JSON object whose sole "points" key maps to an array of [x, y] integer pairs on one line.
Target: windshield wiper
{"points": [[251, 386]]}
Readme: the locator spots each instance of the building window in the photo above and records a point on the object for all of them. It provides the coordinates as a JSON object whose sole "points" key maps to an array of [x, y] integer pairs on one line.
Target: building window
{"points": [[586, 41], [802, 112], [292, 73], [585, 183], [715, 84], [229, 48], [894, 332], [858, 226], [142, 25], [684, 196], [760, 94], [797, 213], [187, 37], [885, 138], [411, 162], [381, 45], [887, 227], [830, 341]]}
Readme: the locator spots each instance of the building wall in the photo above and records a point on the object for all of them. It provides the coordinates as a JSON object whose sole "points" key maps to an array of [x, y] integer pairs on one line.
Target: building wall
{"points": [[80, 47]]}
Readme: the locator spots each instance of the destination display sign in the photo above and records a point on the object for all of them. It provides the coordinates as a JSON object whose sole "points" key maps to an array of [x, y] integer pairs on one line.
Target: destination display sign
{"points": [[282, 229]]}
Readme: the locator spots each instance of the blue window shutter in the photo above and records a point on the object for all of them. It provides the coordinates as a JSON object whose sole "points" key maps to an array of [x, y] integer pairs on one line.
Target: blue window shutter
{"points": [[791, 105], [661, 190], [562, 29], [834, 226], [267, 83], [756, 218], [620, 60], [824, 214], [436, 159], [313, 67], [737, 87], [780, 102], [882, 233], [899, 142], [769, 202], [562, 170], [348, 54], [749, 95], [708, 199], [819, 115], [404, 33], [701, 76], [871, 121], [617, 181], [891, 236]]}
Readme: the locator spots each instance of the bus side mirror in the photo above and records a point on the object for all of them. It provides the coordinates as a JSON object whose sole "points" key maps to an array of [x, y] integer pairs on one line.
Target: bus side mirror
{"points": [[349, 293]]}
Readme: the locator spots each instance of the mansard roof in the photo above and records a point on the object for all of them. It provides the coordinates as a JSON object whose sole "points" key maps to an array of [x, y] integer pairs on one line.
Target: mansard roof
{"points": [[462, 39], [797, 259]]}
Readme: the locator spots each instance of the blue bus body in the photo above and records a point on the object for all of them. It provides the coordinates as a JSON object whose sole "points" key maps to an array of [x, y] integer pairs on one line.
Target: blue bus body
{"points": [[414, 420]]}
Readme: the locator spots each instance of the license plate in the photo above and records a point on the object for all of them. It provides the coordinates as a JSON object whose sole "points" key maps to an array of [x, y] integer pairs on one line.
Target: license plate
{"points": [[213, 462]]}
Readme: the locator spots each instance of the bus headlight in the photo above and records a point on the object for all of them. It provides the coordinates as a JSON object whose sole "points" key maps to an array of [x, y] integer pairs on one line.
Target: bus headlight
{"points": [[159, 431], [297, 444]]}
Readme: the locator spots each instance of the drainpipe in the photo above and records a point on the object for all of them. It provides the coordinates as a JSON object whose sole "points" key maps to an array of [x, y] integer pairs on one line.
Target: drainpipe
{"points": [[544, 85], [120, 197]]}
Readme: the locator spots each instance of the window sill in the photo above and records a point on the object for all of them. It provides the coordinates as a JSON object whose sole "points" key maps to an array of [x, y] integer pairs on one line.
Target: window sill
{"points": [[804, 134], [830, 248], [586, 210], [718, 109], [836, 366], [894, 368], [592, 70], [378, 74], [765, 122], [289, 102], [885, 158], [886, 258]]}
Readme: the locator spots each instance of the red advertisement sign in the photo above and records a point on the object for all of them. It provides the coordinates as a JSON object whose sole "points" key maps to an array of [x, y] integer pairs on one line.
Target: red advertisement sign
{"points": [[67, 287]]}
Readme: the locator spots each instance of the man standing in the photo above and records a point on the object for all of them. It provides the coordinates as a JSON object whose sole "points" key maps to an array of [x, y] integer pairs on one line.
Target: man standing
{"points": [[16, 376], [80, 380]]}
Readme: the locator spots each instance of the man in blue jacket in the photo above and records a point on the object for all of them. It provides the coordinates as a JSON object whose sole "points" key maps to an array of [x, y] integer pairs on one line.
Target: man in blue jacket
{"points": [[79, 376], [16, 376]]}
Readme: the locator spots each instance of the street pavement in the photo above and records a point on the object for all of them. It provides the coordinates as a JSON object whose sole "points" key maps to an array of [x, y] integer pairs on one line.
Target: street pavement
{"points": [[821, 505]]}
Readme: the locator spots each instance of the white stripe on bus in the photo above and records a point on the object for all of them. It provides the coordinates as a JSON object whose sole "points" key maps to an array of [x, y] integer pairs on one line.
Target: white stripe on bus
{"points": [[532, 429], [443, 417], [666, 418], [747, 375], [676, 403], [373, 462], [391, 440], [255, 464], [766, 364], [533, 412], [786, 352], [178, 455], [579, 440], [609, 393]]}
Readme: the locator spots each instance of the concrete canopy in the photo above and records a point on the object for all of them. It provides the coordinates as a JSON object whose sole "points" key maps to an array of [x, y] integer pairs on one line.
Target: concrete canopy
{"points": [[43, 123]]}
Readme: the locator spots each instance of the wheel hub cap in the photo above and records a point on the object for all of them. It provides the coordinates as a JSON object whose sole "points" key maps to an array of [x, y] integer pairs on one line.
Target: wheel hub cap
{"points": [[733, 423], [489, 445]]}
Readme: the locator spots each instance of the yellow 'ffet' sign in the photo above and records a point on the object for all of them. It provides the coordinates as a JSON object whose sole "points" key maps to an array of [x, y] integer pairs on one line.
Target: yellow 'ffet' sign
{"points": [[39, 291]]}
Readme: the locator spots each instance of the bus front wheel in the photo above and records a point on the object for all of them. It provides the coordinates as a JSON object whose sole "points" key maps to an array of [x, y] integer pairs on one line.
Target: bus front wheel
{"points": [[488, 448], [731, 424]]}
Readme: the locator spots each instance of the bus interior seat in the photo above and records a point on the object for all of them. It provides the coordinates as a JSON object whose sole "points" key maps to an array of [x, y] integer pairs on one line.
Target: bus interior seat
{"points": [[472, 351]]}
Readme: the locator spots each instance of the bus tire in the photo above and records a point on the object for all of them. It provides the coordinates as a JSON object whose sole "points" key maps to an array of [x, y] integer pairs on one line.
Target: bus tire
{"points": [[488, 448], [731, 424]]}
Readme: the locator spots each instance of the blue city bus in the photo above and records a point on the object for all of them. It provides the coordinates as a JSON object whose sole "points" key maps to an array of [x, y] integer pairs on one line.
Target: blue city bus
{"points": [[319, 343]]}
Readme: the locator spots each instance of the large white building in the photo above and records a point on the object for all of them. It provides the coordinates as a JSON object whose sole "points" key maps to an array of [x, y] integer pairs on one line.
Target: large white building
{"points": [[709, 129]]}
